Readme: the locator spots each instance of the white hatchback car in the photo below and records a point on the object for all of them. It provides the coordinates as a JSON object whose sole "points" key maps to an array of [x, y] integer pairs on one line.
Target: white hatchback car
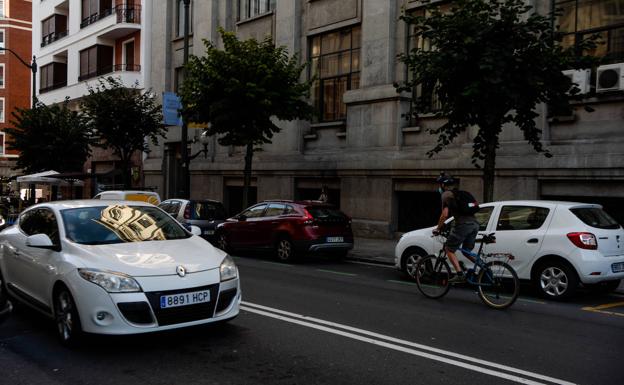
{"points": [[115, 267], [556, 245]]}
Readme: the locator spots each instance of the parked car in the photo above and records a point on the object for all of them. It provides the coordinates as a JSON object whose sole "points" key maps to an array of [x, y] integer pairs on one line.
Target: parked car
{"points": [[556, 245], [5, 304], [130, 195], [115, 268], [288, 228], [205, 214]]}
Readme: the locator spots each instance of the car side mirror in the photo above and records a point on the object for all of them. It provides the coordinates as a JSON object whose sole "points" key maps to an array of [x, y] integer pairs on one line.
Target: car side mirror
{"points": [[41, 241], [195, 230], [242, 218]]}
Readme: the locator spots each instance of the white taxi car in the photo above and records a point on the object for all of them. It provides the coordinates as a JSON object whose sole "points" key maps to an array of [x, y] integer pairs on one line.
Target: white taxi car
{"points": [[556, 245], [115, 267]]}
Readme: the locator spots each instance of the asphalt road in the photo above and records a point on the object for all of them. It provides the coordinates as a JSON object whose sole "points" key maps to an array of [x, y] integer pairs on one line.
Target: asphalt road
{"points": [[327, 322]]}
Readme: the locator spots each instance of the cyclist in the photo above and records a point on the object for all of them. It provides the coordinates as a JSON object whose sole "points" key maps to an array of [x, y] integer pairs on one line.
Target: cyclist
{"points": [[465, 226]]}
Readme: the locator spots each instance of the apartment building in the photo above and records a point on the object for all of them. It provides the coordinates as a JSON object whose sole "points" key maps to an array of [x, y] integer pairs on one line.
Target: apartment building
{"points": [[78, 42], [361, 148], [15, 76]]}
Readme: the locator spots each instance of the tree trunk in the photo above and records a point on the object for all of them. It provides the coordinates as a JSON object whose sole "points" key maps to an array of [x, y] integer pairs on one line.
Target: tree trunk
{"points": [[489, 168], [247, 175], [125, 165]]}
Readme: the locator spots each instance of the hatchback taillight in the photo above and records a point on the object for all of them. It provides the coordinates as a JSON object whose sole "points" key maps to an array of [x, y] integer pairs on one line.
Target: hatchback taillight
{"points": [[584, 240], [187, 212], [308, 219]]}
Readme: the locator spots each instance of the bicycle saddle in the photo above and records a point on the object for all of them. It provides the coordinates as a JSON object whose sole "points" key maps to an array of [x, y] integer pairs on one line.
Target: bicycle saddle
{"points": [[488, 238]]}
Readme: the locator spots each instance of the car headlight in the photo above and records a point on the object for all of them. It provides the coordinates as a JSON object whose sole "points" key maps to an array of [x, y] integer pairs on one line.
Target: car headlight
{"points": [[110, 281], [228, 269]]}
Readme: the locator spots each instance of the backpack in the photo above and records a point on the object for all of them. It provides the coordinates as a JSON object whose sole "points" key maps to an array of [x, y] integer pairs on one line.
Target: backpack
{"points": [[465, 203]]}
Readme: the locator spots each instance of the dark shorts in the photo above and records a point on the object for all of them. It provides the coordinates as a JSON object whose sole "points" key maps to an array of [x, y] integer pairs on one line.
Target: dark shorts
{"points": [[462, 234]]}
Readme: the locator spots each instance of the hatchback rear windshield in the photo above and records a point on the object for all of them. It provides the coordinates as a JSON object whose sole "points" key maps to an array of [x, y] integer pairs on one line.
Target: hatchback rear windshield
{"points": [[326, 213], [595, 217], [207, 211]]}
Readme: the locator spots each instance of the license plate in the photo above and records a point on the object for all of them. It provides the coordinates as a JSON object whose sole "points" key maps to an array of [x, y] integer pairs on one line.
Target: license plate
{"points": [[617, 267], [208, 232], [184, 299], [335, 239]]}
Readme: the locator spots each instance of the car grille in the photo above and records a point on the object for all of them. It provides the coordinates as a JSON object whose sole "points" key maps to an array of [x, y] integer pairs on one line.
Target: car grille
{"points": [[136, 312], [225, 299], [183, 314]]}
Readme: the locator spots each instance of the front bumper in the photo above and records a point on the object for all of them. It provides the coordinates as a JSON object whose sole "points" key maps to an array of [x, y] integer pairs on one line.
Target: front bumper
{"points": [[134, 313]]}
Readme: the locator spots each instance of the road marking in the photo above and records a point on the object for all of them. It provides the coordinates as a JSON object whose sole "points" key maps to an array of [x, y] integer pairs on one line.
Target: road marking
{"points": [[403, 346], [403, 282], [600, 308], [337, 272]]}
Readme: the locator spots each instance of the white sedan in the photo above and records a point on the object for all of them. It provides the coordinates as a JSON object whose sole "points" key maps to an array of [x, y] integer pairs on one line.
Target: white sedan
{"points": [[115, 267], [556, 245]]}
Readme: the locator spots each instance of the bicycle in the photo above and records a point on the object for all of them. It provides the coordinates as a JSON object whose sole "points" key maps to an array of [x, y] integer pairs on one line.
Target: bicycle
{"points": [[497, 283]]}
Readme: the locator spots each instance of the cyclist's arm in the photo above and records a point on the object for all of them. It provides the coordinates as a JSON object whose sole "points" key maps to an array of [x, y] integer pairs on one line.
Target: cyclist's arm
{"points": [[443, 217]]}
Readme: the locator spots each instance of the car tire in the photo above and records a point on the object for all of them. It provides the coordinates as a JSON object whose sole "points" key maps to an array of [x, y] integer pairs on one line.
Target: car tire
{"points": [[410, 260], [555, 280], [284, 249], [605, 287], [66, 317]]}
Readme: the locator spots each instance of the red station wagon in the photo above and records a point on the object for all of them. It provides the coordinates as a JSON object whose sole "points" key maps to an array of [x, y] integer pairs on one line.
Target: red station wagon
{"points": [[289, 228]]}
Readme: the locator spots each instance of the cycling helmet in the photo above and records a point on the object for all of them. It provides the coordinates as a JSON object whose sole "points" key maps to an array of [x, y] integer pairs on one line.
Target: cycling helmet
{"points": [[446, 179]]}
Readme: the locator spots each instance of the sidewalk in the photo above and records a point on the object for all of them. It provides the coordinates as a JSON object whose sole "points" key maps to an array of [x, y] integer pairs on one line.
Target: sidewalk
{"points": [[373, 250]]}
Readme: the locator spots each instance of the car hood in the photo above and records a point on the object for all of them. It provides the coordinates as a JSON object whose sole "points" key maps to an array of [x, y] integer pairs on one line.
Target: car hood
{"points": [[151, 258]]}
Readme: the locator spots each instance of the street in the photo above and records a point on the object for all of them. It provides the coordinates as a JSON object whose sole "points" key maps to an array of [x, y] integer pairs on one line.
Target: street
{"points": [[322, 321]]}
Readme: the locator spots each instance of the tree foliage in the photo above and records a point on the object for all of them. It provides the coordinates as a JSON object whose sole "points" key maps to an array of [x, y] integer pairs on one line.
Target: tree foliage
{"points": [[491, 64], [242, 90], [49, 138], [122, 118]]}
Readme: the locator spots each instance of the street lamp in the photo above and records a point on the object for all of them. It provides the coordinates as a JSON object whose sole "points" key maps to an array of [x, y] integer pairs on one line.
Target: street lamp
{"points": [[204, 139], [33, 67], [186, 179]]}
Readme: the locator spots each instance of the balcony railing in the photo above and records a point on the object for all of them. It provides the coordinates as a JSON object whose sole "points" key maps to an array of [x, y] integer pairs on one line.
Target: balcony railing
{"points": [[110, 68], [52, 37], [125, 14], [54, 86]]}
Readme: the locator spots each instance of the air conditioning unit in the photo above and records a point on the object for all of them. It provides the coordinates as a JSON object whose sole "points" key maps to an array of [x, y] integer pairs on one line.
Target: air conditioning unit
{"points": [[610, 77], [580, 78]]}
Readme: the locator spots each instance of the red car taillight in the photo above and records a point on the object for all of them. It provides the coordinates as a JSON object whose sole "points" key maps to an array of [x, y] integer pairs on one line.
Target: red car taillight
{"points": [[187, 212], [308, 219], [583, 240]]}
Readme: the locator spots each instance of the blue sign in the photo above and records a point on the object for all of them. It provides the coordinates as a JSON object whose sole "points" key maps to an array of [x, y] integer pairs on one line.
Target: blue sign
{"points": [[171, 109]]}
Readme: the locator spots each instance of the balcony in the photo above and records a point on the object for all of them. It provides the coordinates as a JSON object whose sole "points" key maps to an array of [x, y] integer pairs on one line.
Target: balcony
{"points": [[52, 37], [124, 13], [110, 69], [53, 87]]}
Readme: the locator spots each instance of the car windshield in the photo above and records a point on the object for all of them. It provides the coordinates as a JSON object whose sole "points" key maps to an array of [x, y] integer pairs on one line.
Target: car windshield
{"points": [[595, 217], [207, 211], [119, 224]]}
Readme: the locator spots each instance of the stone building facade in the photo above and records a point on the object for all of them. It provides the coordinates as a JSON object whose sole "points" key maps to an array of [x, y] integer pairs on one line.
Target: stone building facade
{"points": [[372, 160]]}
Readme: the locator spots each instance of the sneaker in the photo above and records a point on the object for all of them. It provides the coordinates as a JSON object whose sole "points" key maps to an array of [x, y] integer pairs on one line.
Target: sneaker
{"points": [[458, 278]]}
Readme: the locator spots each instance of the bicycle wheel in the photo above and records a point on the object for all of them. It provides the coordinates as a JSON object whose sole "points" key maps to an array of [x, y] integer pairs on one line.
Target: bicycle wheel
{"points": [[432, 276], [498, 285]]}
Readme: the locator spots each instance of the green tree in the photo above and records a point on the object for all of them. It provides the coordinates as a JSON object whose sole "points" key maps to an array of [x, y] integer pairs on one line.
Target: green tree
{"points": [[492, 63], [123, 119], [242, 90], [49, 138]]}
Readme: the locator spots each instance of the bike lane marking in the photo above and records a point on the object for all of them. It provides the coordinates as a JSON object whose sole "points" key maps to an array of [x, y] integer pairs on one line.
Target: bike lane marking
{"points": [[404, 346], [601, 308]]}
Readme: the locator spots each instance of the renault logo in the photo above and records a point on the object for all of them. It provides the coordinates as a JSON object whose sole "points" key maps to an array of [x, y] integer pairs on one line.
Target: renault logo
{"points": [[181, 271]]}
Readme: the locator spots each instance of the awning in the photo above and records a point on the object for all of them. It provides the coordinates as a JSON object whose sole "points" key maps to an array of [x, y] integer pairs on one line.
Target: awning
{"points": [[50, 177]]}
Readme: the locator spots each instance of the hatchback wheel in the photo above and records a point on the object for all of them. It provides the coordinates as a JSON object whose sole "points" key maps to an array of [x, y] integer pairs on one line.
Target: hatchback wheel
{"points": [[409, 264], [556, 280], [285, 250], [67, 318]]}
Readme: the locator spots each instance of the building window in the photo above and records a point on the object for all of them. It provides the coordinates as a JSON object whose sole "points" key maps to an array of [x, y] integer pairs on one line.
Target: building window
{"points": [[2, 41], [1, 110], [180, 19], [1, 75], [95, 61], [252, 8], [53, 76], [178, 79], [335, 65], [94, 10], [2, 147], [53, 28], [580, 19], [2, 4]]}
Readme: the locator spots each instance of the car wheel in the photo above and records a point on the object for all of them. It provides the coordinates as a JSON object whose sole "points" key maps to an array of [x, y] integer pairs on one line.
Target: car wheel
{"points": [[66, 317], [556, 280], [285, 250], [410, 260]]}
